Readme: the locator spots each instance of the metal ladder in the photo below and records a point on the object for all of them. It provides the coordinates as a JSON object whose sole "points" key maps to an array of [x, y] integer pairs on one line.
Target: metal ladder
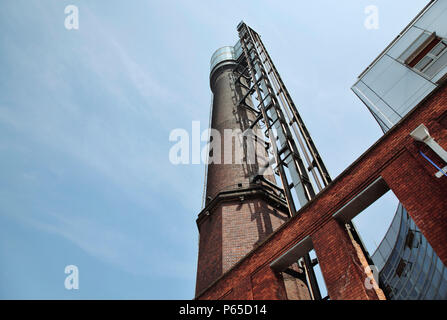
{"points": [[283, 126]]}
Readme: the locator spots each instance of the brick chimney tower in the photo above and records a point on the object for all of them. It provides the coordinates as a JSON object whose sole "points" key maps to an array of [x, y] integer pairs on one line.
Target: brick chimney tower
{"points": [[242, 207]]}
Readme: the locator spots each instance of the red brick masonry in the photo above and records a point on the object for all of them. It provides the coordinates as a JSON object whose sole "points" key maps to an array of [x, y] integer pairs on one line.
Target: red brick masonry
{"points": [[395, 158]]}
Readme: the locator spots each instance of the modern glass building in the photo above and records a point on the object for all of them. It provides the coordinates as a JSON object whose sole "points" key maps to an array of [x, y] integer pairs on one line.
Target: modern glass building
{"points": [[411, 67], [408, 70], [409, 268]]}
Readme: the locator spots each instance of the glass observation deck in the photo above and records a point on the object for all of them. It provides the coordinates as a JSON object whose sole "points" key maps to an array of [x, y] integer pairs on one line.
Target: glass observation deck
{"points": [[411, 67], [224, 55]]}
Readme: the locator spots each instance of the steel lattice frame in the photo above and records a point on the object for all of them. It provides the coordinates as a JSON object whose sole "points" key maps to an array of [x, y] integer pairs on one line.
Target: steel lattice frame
{"points": [[277, 111]]}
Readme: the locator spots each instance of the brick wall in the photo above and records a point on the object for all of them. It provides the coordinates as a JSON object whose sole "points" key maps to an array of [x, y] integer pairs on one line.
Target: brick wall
{"points": [[233, 229], [342, 264], [394, 157]]}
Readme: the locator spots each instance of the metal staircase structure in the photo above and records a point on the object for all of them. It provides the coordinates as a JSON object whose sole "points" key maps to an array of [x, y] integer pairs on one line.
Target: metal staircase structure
{"points": [[295, 156]]}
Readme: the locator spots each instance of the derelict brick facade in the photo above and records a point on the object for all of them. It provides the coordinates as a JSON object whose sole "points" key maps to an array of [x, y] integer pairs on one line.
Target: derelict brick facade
{"points": [[395, 158]]}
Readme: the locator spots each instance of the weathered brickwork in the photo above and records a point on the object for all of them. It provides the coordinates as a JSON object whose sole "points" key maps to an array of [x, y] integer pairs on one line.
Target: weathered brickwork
{"points": [[227, 115], [342, 264], [230, 232], [395, 158], [245, 226], [239, 213]]}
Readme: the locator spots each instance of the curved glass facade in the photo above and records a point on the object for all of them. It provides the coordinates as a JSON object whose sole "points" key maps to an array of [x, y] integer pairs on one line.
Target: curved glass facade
{"points": [[409, 268], [394, 83]]}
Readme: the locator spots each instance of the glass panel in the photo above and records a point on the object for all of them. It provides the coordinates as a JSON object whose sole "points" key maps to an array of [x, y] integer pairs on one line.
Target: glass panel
{"points": [[378, 259], [408, 286], [404, 42], [238, 49], [442, 293], [405, 89], [414, 46], [222, 54], [416, 271], [403, 295], [395, 283], [383, 75], [394, 259], [437, 65], [440, 74], [438, 49], [421, 281], [385, 247], [434, 19], [386, 271], [399, 242], [426, 265], [377, 106], [413, 294], [436, 279], [423, 63], [429, 277], [439, 265], [431, 293]]}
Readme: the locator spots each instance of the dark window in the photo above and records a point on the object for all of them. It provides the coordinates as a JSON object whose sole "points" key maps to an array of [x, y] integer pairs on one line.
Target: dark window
{"points": [[427, 55], [401, 268], [409, 240]]}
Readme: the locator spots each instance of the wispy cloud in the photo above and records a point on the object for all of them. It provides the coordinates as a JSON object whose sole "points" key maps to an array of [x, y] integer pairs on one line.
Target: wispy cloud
{"points": [[123, 135], [110, 245], [84, 96]]}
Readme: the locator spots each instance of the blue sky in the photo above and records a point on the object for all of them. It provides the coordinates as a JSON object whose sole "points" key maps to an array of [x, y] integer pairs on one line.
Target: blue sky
{"points": [[85, 117]]}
